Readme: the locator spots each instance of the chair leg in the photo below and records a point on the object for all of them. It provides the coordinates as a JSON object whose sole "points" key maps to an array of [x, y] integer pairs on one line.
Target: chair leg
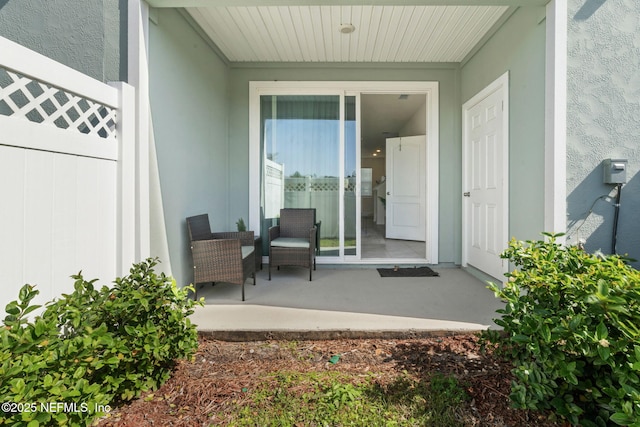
{"points": [[269, 269], [242, 291], [310, 273], [254, 279]]}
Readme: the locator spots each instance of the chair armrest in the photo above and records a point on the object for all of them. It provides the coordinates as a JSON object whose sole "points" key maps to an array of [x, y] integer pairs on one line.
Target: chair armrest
{"points": [[207, 237], [274, 232], [246, 237], [313, 233]]}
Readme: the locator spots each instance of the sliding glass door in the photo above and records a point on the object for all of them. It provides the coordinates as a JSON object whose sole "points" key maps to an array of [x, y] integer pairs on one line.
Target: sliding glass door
{"points": [[308, 156], [305, 151]]}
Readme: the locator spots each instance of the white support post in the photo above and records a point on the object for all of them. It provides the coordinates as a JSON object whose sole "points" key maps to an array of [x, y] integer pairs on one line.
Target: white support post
{"points": [[139, 78], [555, 188], [126, 215]]}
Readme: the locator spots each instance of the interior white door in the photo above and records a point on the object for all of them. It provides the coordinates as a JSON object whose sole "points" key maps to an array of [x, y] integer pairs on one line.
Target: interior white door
{"points": [[406, 195], [485, 181]]}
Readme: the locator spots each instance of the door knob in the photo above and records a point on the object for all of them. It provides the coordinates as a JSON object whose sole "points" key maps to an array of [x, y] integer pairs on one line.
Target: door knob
{"points": [[388, 193], [466, 194]]}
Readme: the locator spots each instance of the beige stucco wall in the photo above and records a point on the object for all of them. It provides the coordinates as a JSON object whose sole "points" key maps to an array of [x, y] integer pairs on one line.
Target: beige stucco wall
{"points": [[603, 120], [88, 36]]}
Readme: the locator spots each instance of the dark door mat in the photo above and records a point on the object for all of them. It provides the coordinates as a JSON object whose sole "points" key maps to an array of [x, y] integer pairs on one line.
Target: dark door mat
{"points": [[407, 272]]}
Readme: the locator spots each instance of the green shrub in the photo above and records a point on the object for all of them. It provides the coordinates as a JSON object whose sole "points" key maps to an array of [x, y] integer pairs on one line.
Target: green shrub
{"points": [[92, 348], [571, 326]]}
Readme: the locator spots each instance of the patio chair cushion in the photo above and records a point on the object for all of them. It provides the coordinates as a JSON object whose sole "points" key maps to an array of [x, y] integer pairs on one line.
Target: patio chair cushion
{"points": [[246, 251], [290, 242]]}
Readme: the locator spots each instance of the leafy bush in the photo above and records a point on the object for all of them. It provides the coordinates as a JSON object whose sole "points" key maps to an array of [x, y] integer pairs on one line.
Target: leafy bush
{"points": [[571, 326], [92, 348]]}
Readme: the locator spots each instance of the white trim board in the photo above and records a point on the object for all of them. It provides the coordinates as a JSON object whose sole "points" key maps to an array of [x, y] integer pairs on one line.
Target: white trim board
{"points": [[555, 167], [138, 72]]}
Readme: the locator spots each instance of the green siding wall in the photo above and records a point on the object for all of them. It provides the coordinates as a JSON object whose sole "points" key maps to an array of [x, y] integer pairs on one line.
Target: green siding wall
{"points": [[189, 107], [518, 47], [450, 154]]}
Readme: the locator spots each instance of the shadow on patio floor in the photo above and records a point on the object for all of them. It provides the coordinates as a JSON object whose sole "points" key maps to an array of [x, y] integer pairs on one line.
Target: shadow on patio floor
{"points": [[349, 299]]}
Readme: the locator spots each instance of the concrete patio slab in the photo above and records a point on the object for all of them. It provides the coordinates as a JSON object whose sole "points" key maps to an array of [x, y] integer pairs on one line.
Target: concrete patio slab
{"points": [[343, 302]]}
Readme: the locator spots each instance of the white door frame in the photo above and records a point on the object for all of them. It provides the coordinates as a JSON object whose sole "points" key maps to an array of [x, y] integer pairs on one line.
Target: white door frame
{"points": [[429, 89], [501, 83]]}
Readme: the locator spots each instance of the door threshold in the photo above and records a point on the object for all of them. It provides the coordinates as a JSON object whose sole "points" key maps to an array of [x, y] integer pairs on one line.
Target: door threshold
{"points": [[386, 261]]}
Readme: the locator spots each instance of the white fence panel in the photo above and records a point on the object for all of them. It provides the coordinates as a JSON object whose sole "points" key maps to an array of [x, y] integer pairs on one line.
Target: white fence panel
{"points": [[64, 202], [59, 218], [274, 188]]}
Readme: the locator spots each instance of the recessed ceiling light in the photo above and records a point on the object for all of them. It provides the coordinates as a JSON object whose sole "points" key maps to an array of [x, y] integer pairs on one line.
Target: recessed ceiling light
{"points": [[378, 150], [347, 28]]}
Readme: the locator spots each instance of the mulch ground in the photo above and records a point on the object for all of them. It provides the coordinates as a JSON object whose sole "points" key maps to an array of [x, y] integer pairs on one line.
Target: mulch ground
{"points": [[222, 374]]}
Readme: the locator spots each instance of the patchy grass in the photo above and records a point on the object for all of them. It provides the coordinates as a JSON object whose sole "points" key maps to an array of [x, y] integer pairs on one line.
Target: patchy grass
{"points": [[334, 398], [438, 381]]}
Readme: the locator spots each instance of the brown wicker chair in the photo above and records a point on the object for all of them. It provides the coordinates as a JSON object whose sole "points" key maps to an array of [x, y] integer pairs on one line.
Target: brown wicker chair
{"points": [[293, 242], [220, 257]]}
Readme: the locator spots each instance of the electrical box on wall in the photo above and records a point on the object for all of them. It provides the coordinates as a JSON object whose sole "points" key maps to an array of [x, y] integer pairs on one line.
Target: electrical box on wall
{"points": [[615, 171]]}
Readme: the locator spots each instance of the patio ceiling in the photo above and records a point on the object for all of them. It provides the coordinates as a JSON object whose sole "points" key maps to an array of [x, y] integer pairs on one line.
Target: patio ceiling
{"points": [[386, 31], [312, 33]]}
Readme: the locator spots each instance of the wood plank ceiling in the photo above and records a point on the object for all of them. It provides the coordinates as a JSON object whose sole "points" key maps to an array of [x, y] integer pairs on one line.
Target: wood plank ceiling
{"points": [[397, 33]]}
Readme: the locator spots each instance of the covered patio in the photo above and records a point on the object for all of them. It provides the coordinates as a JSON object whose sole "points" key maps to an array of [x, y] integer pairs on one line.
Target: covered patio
{"points": [[227, 100], [347, 301]]}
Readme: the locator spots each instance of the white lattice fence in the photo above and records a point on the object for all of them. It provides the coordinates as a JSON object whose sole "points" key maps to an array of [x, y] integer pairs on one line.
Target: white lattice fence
{"points": [[39, 102], [64, 162], [322, 194]]}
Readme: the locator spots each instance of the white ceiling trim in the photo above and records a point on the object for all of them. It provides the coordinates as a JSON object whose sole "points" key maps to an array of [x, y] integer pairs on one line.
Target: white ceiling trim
{"points": [[218, 3]]}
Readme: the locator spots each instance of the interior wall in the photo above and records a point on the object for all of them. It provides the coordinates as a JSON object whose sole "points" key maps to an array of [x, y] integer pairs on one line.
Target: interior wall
{"points": [[377, 165], [189, 107], [519, 48], [416, 125], [450, 152]]}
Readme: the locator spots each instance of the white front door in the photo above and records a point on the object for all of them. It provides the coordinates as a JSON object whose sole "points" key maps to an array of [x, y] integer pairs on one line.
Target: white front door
{"points": [[485, 179], [406, 196]]}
